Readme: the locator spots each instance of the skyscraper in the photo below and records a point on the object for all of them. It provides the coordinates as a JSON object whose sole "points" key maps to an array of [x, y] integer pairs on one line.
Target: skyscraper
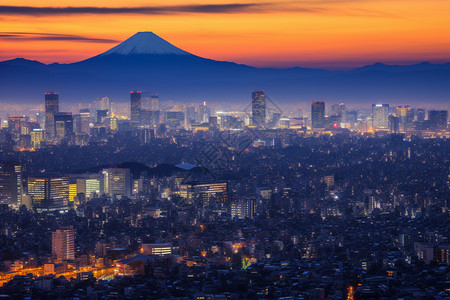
{"points": [[259, 109], [105, 104], [420, 114], [63, 125], [85, 120], [318, 114], [394, 124], [338, 110], [63, 243], [135, 101], [117, 182], [51, 108], [37, 137], [102, 114], [154, 102], [39, 119], [190, 115], [89, 185], [438, 119], [175, 118], [204, 112], [11, 183], [17, 124], [380, 116], [49, 193], [113, 123], [276, 119], [406, 117]]}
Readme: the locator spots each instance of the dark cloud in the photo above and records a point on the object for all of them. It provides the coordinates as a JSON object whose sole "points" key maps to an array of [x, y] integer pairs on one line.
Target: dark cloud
{"points": [[37, 36], [150, 10]]}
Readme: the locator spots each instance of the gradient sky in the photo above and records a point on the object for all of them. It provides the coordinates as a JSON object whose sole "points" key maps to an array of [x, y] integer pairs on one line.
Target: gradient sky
{"points": [[333, 34]]}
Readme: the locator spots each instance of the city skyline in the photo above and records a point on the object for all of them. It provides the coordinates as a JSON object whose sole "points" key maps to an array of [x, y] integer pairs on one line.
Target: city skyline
{"points": [[318, 34], [175, 151], [183, 194]]}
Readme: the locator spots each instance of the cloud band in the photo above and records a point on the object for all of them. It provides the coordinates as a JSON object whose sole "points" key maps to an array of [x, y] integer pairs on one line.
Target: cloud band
{"points": [[37, 36], [147, 10]]}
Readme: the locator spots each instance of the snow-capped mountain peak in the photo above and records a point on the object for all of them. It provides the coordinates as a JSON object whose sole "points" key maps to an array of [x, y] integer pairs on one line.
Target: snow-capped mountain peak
{"points": [[145, 43]]}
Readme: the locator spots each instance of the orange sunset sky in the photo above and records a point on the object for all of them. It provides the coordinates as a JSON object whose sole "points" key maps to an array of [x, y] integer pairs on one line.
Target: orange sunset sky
{"points": [[333, 34]]}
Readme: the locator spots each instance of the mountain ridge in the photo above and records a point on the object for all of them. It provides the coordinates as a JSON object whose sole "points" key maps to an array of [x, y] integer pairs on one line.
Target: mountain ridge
{"points": [[146, 61]]}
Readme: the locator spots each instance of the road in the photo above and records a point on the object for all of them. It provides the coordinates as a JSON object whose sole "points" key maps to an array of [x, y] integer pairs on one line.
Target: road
{"points": [[105, 272]]}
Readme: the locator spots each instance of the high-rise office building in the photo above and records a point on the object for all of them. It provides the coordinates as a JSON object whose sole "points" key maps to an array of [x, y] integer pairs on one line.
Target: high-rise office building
{"points": [[243, 209], [17, 125], [276, 117], [318, 114], [72, 191], [117, 182], [207, 193], [213, 122], [154, 102], [394, 124], [102, 114], [135, 102], [51, 108], [85, 119], [11, 183], [190, 115], [113, 123], [105, 104], [24, 141], [146, 117], [49, 193], [89, 184], [63, 125], [204, 112], [420, 114], [40, 119], [37, 137], [438, 119], [406, 117], [63, 243], [227, 122], [146, 103], [338, 111], [351, 116], [155, 116], [149, 115], [380, 116], [175, 118], [259, 109], [76, 118]]}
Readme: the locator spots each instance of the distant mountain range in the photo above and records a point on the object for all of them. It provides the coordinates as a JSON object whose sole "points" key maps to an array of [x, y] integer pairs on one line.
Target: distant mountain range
{"points": [[148, 62]]}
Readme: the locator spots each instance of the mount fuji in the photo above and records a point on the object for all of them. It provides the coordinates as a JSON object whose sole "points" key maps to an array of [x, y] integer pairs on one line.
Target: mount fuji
{"points": [[145, 43], [147, 62]]}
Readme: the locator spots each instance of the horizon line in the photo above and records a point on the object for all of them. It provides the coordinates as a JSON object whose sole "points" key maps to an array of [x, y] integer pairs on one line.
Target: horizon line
{"points": [[275, 66]]}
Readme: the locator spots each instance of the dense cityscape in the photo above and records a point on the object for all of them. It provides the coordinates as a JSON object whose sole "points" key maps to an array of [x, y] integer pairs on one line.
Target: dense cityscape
{"points": [[153, 199]]}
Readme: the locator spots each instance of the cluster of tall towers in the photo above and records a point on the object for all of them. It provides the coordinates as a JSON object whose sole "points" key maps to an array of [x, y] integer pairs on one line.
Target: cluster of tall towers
{"points": [[259, 109], [51, 109], [144, 111], [58, 125]]}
